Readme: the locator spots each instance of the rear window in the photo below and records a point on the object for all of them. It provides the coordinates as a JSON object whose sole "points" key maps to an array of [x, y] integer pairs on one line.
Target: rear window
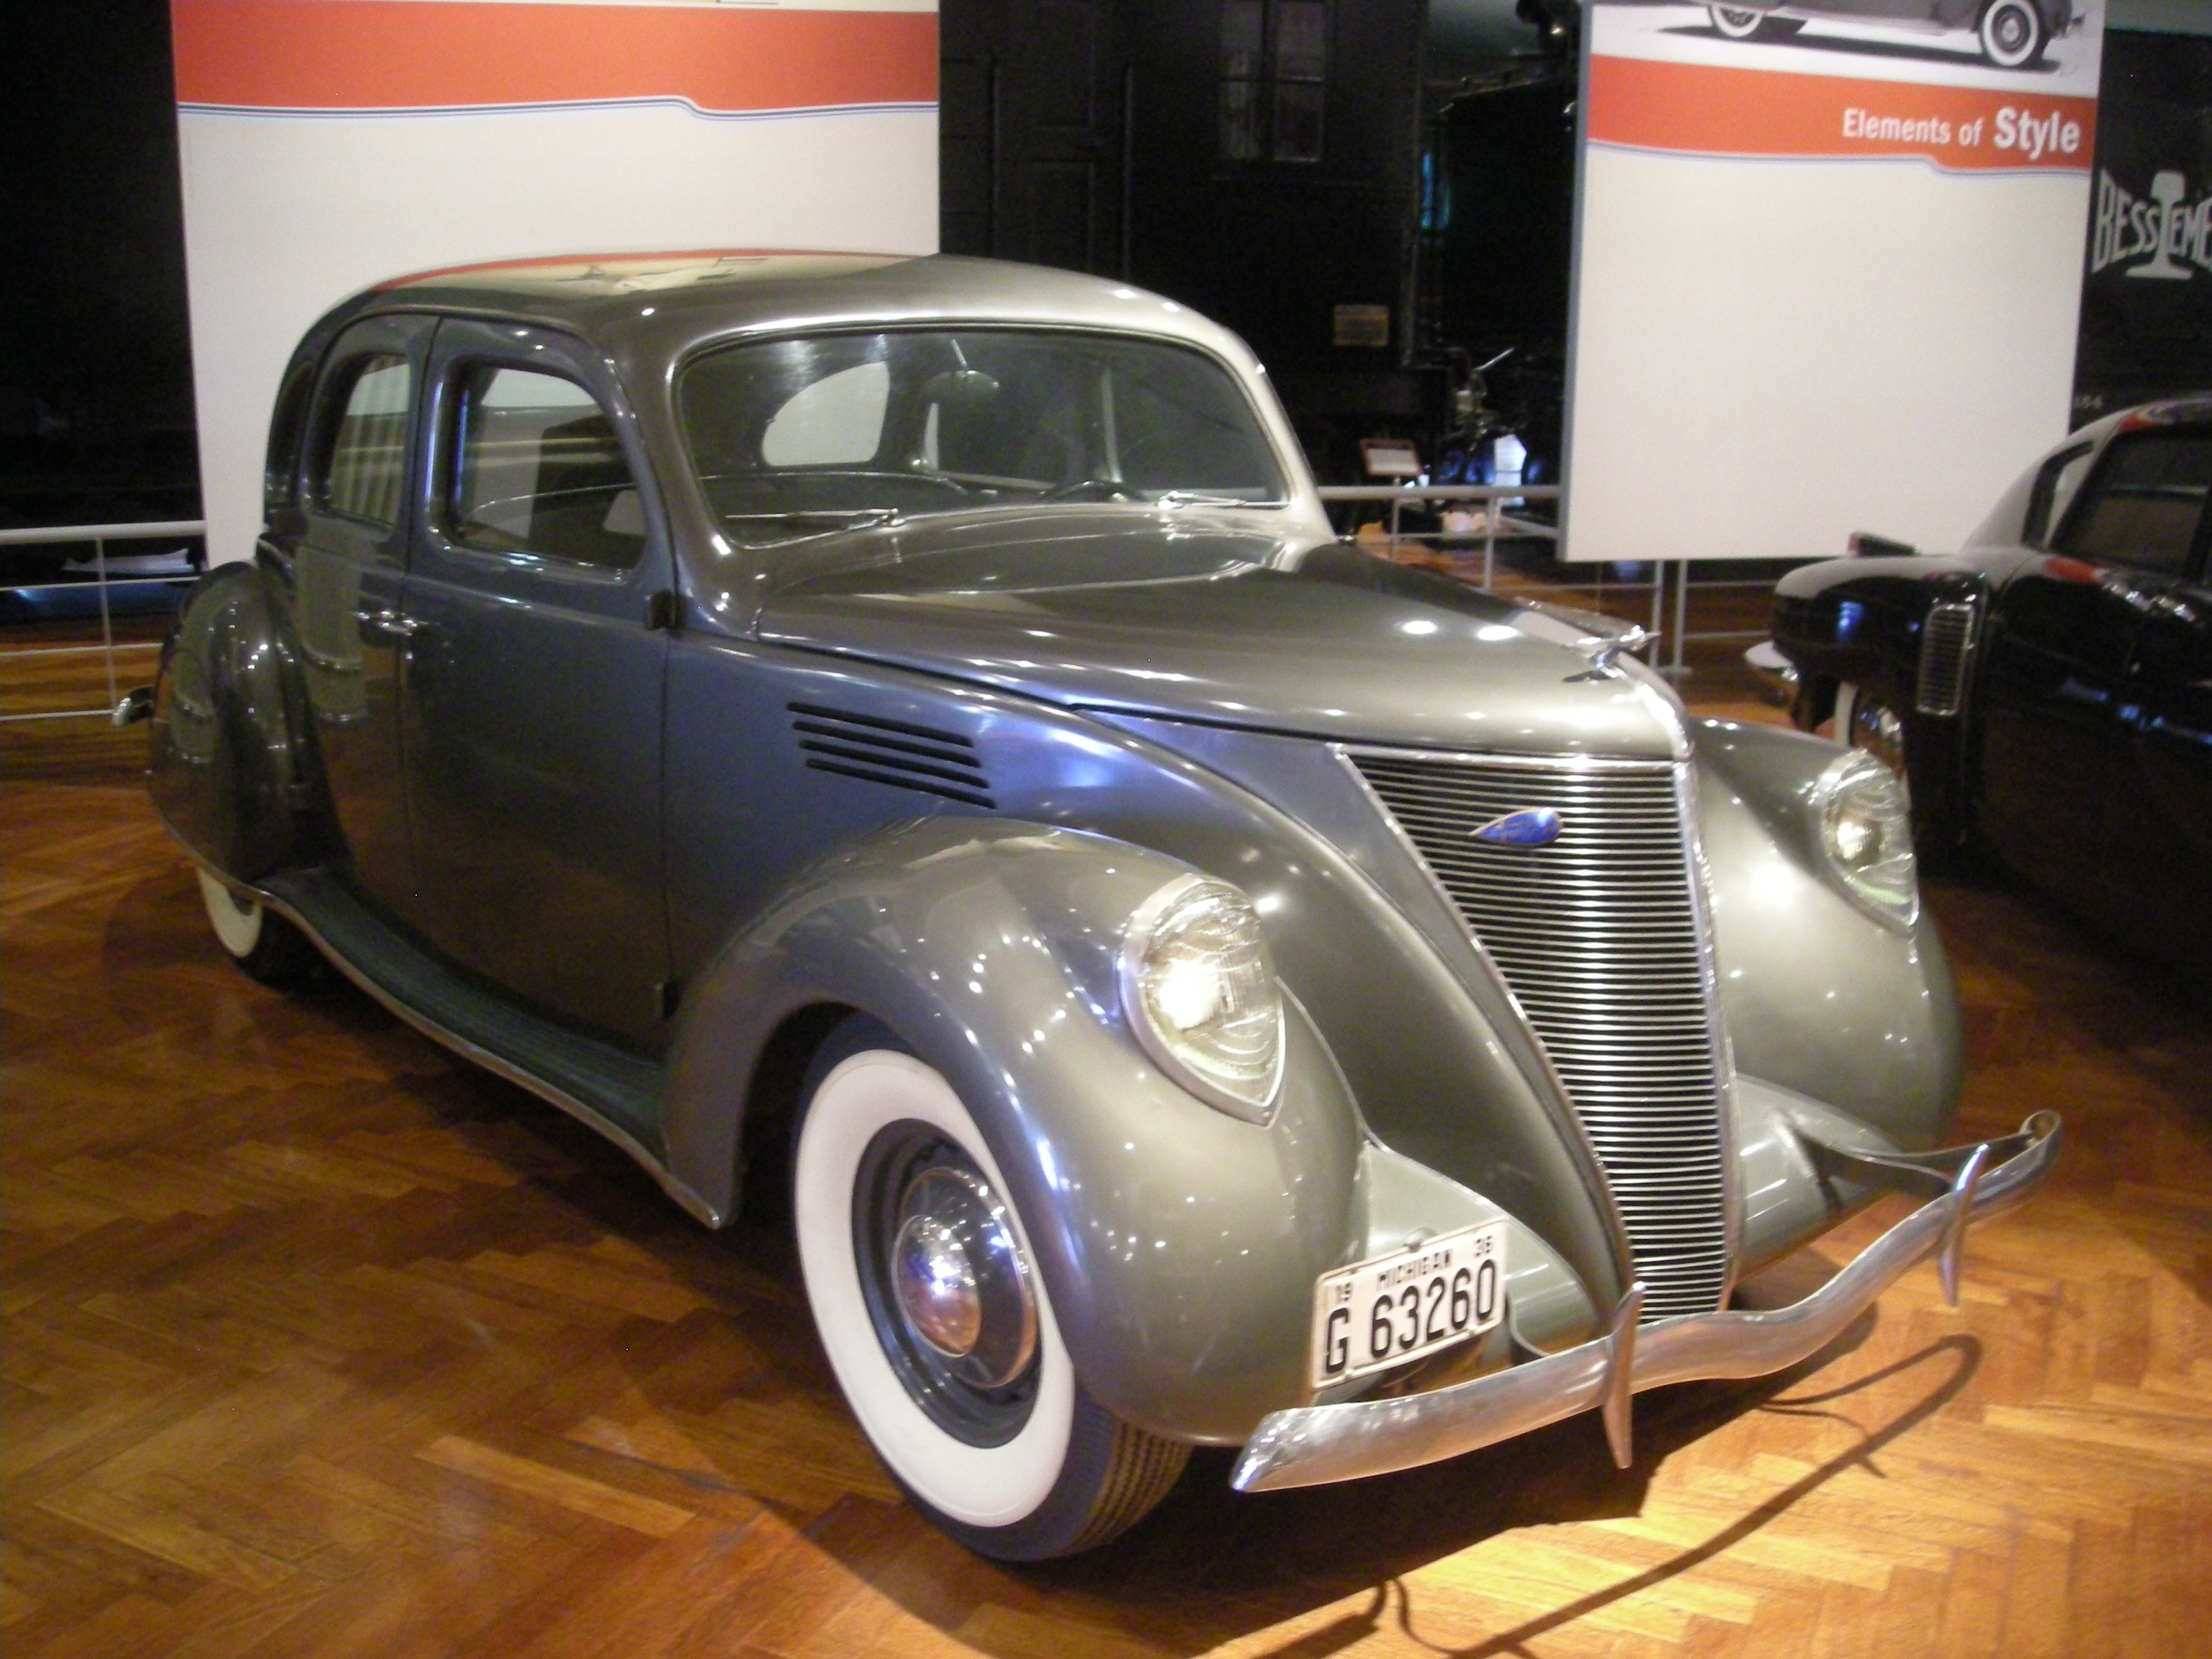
{"points": [[2144, 502]]}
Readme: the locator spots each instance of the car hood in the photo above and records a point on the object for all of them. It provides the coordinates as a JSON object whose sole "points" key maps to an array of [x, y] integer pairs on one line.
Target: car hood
{"points": [[1186, 614]]}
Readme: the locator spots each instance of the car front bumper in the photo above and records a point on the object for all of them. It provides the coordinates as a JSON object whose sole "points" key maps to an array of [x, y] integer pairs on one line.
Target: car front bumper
{"points": [[1311, 1445]]}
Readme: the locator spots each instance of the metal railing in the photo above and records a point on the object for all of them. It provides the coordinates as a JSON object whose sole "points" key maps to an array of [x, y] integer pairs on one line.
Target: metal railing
{"points": [[99, 535], [1600, 591], [1497, 521]]}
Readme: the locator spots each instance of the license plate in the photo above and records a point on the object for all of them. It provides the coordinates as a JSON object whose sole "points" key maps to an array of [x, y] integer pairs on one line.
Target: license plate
{"points": [[1411, 1302]]}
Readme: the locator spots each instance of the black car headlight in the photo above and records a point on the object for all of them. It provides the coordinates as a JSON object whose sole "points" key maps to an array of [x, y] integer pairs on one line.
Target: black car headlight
{"points": [[1200, 994], [1863, 818]]}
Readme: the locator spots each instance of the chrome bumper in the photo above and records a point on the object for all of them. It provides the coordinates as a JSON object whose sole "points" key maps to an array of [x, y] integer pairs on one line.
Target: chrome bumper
{"points": [[1776, 674], [1313, 1444]]}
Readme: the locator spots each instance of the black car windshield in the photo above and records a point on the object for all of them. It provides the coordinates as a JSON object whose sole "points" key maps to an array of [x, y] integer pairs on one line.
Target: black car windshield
{"points": [[794, 437]]}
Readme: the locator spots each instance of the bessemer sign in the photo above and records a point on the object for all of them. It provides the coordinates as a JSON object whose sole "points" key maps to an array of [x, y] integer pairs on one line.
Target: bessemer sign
{"points": [[2164, 229]]}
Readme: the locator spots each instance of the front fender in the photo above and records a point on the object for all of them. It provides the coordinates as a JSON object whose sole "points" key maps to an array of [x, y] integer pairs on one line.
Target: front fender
{"points": [[1180, 1244], [1818, 996], [1859, 619], [229, 771]]}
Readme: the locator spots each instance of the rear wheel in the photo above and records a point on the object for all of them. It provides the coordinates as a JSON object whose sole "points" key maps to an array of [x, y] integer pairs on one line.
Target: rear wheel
{"points": [[1745, 23], [937, 1323], [263, 944], [2013, 33]]}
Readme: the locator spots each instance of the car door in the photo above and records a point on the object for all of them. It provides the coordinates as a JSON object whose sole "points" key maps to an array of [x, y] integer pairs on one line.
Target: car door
{"points": [[2059, 712], [533, 689], [345, 556], [2162, 835]]}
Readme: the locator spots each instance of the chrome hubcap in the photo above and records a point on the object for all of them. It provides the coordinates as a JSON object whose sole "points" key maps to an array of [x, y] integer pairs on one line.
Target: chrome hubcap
{"points": [[958, 1278]]}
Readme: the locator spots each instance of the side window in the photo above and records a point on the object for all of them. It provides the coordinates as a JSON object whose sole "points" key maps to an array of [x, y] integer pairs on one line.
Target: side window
{"points": [[537, 468], [2143, 505], [362, 460]]}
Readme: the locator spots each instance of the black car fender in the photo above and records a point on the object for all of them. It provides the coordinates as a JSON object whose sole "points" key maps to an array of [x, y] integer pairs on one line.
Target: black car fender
{"points": [[1865, 623]]}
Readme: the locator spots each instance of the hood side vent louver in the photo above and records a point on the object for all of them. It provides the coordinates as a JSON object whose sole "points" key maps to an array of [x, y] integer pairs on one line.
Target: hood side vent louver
{"points": [[942, 763]]}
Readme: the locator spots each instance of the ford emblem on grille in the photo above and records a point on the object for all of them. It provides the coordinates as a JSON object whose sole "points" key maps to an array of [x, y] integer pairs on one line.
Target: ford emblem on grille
{"points": [[1539, 826]]}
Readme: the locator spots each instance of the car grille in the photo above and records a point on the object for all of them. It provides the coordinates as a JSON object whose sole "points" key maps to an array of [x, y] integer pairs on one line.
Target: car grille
{"points": [[1599, 936], [891, 751], [1946, 644]]}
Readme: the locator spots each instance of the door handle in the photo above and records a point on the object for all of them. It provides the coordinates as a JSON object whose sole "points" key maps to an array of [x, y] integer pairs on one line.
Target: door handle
{"points": [[2180, 609], [388, 627]]}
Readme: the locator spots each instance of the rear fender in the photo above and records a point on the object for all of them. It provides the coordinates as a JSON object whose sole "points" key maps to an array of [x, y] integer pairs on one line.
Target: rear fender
{"points": [[231, 770]]}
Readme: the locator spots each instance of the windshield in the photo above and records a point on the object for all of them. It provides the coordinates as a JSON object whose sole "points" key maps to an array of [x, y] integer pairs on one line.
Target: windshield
{"points": [[794, 437]]}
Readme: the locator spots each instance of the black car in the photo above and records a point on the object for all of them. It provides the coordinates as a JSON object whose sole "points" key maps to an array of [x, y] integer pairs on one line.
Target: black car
{"points": [[2048, 690]]}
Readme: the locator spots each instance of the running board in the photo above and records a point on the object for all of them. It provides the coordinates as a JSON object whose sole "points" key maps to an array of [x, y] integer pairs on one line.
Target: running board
{"points": [[616, 1094]]}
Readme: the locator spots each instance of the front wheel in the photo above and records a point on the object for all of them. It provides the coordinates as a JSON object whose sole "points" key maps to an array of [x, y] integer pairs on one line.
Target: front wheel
{"points": [[937, 1325], [2013, 33], [268, 947]]}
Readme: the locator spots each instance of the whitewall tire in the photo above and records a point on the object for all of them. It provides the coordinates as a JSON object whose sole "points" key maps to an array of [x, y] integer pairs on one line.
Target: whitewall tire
{"points": [[2012, 32], [1010, 1455], [263, 944]]}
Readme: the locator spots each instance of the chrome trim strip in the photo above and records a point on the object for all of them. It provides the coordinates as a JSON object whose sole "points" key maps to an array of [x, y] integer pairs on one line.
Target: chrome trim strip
{"points": [[1701, 905], [1310, 1445], [691, 1203]]}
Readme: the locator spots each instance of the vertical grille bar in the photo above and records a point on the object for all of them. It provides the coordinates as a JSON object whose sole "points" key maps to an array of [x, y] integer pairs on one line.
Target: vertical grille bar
{"points": [[1599, 936]]}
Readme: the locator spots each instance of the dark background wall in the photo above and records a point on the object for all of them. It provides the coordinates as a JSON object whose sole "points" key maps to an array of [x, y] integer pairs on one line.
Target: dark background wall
{"points": [[95, 359], [2143, 337]]}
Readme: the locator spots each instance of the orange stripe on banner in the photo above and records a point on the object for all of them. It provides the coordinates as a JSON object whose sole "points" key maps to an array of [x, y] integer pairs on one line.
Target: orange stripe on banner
{"points": [[416, 54], [1709, 111]]}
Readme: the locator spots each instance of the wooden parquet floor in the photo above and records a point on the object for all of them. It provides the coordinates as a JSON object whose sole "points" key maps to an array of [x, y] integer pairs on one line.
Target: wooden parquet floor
{"points": [[320, 1343]]}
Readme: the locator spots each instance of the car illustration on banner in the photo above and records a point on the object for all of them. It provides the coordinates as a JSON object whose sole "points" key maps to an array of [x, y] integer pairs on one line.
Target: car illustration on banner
{"points": [[2047, 691], [2012, 33], [905, 728]]}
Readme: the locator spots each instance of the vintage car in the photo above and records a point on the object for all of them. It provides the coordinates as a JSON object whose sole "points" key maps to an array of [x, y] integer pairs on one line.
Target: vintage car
{"points": [[2012, 33], [908, 722], [2047, 691]]}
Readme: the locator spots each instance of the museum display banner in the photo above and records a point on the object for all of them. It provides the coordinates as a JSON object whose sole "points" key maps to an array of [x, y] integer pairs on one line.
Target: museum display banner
{"points": [[329, 144], [1828, 272]]}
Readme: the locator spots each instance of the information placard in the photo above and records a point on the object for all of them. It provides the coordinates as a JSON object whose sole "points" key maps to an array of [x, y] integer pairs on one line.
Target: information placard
{"points": [[329, 144], [1827, 270]]}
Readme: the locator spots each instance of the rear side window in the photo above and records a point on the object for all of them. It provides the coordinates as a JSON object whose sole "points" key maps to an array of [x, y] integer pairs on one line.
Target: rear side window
{"points": [[2143, 504], [364, 454], [537, 469]]}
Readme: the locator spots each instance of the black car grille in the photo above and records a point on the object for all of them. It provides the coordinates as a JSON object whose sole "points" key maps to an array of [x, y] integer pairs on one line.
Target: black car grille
{"points": [[1598, 936], [1946, 644], [891, 751]]}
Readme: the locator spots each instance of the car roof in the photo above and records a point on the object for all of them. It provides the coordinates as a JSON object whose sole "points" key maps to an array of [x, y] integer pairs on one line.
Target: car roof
{"points": [[662, 304]]}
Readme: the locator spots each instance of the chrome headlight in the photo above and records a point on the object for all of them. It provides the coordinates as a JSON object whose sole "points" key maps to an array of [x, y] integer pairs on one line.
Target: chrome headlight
{"points": [[1864, 826], [1200, 994]]}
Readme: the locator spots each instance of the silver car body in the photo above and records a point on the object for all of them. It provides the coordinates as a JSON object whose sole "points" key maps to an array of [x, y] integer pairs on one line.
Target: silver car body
{"points": [[1141, 690]]}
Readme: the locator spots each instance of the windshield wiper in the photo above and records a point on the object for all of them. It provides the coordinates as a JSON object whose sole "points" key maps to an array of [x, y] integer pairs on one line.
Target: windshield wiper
{"points": [[834, 518], [1205, 498]]}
